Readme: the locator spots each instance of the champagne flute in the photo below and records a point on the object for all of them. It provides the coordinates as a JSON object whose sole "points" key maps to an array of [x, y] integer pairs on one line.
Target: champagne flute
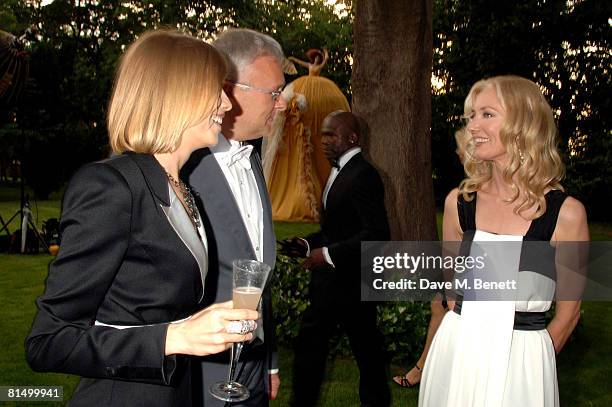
{"points": [[249, 279]]}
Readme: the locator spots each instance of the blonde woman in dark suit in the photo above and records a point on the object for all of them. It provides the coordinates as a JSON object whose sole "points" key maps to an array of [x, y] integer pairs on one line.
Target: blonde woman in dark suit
{"points": [[123, 299]]}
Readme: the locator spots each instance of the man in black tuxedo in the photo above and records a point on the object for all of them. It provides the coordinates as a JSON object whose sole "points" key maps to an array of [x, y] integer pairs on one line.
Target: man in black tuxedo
{"points": [[235, 206], [353, 211]]}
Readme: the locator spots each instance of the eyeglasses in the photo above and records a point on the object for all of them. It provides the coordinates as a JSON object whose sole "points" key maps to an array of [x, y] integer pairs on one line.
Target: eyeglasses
{"points": [[274, 93]]}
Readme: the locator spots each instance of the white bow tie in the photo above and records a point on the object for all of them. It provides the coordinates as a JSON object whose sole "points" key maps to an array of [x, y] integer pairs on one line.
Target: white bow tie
{"points": [[241, 155]]}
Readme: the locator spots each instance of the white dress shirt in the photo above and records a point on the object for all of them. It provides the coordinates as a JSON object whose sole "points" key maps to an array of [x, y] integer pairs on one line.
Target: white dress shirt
{"points": [[234, 159]]}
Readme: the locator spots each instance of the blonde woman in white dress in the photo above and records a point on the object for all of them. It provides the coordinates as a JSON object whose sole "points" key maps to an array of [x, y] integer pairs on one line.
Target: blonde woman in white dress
{"points": [[502, 353]]}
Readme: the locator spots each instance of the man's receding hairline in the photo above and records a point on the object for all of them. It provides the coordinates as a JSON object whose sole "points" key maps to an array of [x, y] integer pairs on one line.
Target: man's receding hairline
{"points": [[243, 46], [240, 74]]}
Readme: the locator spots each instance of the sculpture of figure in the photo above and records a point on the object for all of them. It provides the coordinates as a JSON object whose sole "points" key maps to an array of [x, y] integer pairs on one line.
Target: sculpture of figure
{"points": [[294, 164]]}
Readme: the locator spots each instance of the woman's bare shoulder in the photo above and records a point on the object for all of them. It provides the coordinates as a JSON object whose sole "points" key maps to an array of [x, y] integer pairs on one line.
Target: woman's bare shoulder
{"points": [[572, 221]]}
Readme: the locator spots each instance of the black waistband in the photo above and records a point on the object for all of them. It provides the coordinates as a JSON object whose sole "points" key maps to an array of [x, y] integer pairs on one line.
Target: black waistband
{"points": [[523, 321]]}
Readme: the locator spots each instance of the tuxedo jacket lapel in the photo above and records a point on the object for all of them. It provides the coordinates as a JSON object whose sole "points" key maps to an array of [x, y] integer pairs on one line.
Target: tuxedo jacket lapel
{"points": [[184, 228], [172, 208], [269, 238], [343, 179], [221, 201]]}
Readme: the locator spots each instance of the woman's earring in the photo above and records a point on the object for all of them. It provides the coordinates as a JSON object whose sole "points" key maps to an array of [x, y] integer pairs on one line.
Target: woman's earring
{"points": [[521, 156]]}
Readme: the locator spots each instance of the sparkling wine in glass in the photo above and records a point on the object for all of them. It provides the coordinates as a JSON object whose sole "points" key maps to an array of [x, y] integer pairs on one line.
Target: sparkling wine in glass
{"points": [[249, 279], [246, 297]]}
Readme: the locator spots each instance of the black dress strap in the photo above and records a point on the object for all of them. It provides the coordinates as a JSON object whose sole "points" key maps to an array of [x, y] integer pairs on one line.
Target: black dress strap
{"points": [[467, 212], [543, 227], [540, 257]]}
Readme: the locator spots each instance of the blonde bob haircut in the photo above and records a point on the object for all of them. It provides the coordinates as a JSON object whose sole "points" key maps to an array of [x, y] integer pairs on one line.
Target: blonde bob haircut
{"points": [[529, 135], [166, 82]]}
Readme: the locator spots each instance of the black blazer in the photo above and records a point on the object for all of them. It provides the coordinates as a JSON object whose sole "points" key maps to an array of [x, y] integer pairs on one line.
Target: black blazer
{"points": [[122, 262], [354, 212]]}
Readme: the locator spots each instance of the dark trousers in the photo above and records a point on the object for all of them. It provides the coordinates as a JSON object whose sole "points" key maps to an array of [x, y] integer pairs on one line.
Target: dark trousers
{"points": [[334, 303]]}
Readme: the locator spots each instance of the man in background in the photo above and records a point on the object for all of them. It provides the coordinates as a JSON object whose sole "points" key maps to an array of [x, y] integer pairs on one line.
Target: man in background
{"points": [[353, 210]]}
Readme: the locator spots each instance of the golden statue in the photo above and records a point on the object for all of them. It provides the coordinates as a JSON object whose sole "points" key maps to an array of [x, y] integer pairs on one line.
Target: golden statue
{"points": [[294, 164]]}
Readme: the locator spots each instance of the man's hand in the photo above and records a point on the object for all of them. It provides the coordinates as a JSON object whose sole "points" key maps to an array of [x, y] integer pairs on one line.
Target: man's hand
{"points": [[294, 247], [274, 385], [315, 260]]}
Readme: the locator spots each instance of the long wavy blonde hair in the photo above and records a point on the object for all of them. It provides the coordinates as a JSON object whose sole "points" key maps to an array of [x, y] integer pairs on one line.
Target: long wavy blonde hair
{"points": [[529, 135]]}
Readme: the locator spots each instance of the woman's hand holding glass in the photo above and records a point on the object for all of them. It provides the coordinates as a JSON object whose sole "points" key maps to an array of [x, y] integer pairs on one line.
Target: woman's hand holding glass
{"points": [[206, 332]]}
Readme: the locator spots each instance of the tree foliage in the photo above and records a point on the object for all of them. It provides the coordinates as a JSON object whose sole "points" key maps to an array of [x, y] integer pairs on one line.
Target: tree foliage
{"points": [[76, 47], [303, 24], [562, 45]]}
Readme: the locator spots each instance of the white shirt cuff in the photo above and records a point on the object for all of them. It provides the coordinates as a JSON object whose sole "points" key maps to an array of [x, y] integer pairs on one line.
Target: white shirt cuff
{"points": [[327, 258], [307, 246], [272, 371]]}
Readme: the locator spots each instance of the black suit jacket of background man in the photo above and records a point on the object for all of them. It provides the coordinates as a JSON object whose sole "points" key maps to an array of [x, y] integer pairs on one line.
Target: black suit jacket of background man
{"points": [[354, 212]]}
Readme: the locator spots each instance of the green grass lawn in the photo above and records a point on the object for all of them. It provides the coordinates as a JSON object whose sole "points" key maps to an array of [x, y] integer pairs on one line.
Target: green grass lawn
{"points": [[21, 281], [584, 366]]}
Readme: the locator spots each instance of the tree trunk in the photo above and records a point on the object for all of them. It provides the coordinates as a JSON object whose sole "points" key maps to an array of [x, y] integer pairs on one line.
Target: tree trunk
{"points": [[391, 84]]}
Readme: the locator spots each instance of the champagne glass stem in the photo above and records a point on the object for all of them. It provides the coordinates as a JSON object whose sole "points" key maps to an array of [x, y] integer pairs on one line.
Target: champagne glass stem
{"points": [[236, 350]]}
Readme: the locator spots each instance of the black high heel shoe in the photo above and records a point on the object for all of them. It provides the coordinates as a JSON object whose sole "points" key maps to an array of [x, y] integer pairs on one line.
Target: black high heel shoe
{"points": [[403, 380]]}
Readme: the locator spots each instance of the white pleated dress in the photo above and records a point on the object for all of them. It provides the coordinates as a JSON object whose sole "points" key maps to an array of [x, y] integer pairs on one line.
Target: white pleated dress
{"points": [[477, 358]]}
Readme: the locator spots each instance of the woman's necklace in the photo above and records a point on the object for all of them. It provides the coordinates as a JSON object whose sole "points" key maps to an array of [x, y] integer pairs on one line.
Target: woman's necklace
{"points": [[191, 207]]}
